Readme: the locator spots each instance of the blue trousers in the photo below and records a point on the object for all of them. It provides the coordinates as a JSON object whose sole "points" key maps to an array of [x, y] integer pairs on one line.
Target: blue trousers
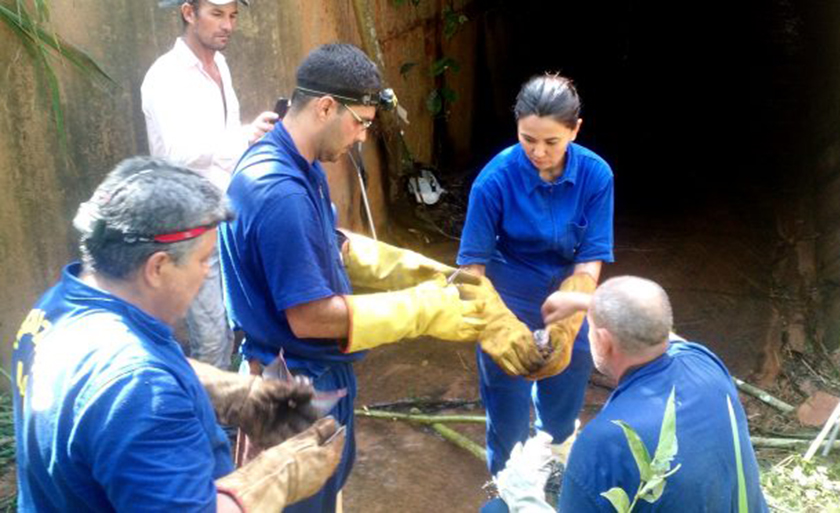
{"points": [[557, 401], [328, 376]]}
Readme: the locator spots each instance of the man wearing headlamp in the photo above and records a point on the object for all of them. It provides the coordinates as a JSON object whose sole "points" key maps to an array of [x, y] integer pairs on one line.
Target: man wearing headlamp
{"points": [[289, 275]]}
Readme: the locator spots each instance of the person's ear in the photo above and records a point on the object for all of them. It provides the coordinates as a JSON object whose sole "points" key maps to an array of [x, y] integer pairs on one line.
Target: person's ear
{"points": [[323, 107], [188, 12], [576, 129], [605, 342], [155, 270]]}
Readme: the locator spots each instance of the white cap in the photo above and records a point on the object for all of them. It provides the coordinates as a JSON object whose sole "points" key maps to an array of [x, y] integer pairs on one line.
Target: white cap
{"points": [[225, 2]]}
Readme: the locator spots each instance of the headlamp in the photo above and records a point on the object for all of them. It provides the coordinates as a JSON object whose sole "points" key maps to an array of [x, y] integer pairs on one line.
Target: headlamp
{"points": [[385, 99]]}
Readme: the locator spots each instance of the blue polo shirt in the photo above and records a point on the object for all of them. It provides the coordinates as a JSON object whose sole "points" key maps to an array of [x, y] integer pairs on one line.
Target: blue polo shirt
{"points": [[281, 250], [530, 233], [707, 481], [109, 415]]}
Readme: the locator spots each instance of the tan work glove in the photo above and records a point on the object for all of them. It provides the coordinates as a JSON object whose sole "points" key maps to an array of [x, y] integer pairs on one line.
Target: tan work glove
{"points": [[506, 339], [433, 308], [375, 265], [562, 333], [267, 411], [289, 472]]}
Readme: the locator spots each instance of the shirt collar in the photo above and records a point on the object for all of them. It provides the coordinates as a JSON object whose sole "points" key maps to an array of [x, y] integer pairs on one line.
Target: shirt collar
{"points": [[532, 177], [189, 59], [660, 362], [80, 292], [283, 138]]}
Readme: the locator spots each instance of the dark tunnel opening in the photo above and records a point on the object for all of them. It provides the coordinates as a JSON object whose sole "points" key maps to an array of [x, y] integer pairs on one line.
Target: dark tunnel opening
{"points": [[711, 115]]}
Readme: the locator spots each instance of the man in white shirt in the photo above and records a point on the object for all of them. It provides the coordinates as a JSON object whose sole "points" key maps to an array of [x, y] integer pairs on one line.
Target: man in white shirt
{"points": [[192, 119]]}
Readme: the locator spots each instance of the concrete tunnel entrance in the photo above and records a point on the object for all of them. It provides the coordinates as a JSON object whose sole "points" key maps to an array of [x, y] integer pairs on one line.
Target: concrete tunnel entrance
{"points": [[713, 116]]}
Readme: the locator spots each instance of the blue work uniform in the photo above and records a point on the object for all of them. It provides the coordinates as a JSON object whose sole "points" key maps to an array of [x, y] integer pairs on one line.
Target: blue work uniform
{"points": [[707, 478], [282, 251], [530, 234], [109, 415]]}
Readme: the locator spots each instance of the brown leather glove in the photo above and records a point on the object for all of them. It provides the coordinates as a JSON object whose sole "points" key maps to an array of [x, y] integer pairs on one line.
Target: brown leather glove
{"points": [[267, 411], [505, 338], [289, 472], [562, 333]]}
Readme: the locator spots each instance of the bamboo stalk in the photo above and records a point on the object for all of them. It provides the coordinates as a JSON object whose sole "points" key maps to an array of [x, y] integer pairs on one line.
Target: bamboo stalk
{"points": [[783, 443], [763, 396], [422, 419], [461, 441], [425, 404]]}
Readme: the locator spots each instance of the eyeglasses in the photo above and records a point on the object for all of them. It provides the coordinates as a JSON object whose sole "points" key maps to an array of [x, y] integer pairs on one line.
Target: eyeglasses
{"points": [[366, 123]]}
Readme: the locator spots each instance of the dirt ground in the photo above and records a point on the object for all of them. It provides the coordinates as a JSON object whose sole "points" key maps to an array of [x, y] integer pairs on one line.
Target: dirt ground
{"points": [[715, 270], [714, 267]]}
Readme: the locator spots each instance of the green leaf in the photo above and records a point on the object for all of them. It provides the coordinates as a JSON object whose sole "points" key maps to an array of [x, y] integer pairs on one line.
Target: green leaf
{"points": [[654, 488], [23, 23], [443, 64], [618, 498], [434, 103], [449, 95], [406, 67], [637, 447], [743, 507], [667, 447]]}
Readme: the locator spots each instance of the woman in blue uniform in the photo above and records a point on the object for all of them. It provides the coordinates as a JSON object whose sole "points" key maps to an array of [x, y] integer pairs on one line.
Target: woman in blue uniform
{"points": [[540, 211]]}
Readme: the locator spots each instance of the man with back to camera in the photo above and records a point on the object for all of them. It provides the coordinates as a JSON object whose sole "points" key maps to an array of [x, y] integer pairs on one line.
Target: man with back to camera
{"points": [[192, 119], [288, 272], [109, 414], [630, 323]]}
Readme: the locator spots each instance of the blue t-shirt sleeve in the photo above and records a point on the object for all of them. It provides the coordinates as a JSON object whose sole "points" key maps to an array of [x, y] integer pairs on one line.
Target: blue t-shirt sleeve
{"points": [[597, 244], [291, 243], [147, 448], [478, 239]]}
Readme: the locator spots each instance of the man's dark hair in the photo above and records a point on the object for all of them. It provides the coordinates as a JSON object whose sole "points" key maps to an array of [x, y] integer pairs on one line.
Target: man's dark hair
{"points": [[141, 198], [336, 67], [549, 95]]}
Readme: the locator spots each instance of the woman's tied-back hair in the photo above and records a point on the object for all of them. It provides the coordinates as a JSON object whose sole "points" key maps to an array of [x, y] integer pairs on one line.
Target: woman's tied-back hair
{"points": [[550, 95], [141, 198]]}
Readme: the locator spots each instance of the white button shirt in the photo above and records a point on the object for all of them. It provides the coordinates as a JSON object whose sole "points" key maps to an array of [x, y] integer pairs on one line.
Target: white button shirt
{"points": [[185, 115]]}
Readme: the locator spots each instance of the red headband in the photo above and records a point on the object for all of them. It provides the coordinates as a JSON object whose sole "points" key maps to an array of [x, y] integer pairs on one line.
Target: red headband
{"points": [[183, 235]]}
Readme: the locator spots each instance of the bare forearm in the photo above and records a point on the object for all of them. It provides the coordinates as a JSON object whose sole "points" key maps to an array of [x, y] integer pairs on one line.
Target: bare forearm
{"points": [[324, 318], [592, 268], [476, 269]]}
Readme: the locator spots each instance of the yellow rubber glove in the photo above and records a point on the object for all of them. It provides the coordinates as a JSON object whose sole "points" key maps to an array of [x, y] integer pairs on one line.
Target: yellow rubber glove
{"points": [[432, 308], [505, 338], [562, 333], [379, 266], [289, 472]]}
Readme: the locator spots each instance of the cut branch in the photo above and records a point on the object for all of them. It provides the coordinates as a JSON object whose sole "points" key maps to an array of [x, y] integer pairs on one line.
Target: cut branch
{"points": [[763, 396], [461, 441], [422, 419]]}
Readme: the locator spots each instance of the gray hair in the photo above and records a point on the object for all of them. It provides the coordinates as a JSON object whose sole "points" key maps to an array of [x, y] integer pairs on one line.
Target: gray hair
{"points": [[141, 198], [634, 310]]}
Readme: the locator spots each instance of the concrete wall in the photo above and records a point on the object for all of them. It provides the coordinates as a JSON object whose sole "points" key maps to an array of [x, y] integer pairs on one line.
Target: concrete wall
{"points": [[41, 186]]}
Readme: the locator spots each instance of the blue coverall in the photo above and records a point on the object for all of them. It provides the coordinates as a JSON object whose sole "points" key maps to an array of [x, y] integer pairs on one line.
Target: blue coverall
{"points": [[530, 234], [281, 251], [109, 415]]}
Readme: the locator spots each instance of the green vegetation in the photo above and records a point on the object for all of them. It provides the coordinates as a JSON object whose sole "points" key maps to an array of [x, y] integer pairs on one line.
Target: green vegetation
{"points": [[652, 472], [8, 501], [42, 43], [793, 484]]}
